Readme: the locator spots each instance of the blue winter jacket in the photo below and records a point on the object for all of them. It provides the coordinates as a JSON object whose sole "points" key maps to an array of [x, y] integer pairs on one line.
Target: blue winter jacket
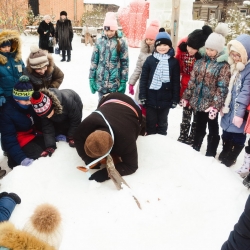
{"points": [[239, 101], [10, 73], [15, 119]]}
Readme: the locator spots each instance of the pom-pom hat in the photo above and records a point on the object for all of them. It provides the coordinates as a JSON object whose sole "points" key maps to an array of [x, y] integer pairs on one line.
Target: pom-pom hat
{"points": [[110, 22], [163, 38], [152, 30], [38, 58], [23, 89]]}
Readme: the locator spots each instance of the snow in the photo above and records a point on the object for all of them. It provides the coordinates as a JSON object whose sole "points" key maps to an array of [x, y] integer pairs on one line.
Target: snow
{"points": [[188, 201], [117, 2]]}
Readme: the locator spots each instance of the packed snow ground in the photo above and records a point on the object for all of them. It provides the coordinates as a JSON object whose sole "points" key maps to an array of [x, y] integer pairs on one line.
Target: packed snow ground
{"points": [[188, 201]]}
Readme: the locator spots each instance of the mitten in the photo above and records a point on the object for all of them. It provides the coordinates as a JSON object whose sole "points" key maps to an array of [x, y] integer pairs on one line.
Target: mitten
{"points": [[185, 103], [26, 162], [15, 197], [2, 100], [174, 104], [237, 121], [100, 176], [61, 138], [143, 102], [47, 152], [212, 113], [71, 141], [122, 87], [131, 89], [93, 86], [3, 194]]}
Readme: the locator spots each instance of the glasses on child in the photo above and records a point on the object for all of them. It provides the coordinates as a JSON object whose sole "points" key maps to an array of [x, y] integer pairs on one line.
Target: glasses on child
{"points": [[236, 56]]}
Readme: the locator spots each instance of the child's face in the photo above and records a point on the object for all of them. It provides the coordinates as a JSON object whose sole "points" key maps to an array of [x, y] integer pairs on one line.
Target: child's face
{"points": [[23, 102], [5, 49], [162, 48], [191, 51], [150, 41], [42, 70], [211, 52], [109, 33], [51, 114], [235, 56]]}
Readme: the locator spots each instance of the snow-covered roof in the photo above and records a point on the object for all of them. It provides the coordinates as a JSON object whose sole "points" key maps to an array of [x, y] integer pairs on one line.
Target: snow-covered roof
{"points": [[116, 2]]}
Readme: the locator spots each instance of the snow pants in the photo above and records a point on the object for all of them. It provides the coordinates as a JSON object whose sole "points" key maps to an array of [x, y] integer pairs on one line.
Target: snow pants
{"points": [[7, 206]]}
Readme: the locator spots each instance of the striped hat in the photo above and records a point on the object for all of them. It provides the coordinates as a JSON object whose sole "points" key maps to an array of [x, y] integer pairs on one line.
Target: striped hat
{"points": [[41, 103], [23, 89], [38, 58]]}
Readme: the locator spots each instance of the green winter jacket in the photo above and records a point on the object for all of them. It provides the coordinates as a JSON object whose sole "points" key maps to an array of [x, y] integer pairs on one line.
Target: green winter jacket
{"points": [[109, 67]]}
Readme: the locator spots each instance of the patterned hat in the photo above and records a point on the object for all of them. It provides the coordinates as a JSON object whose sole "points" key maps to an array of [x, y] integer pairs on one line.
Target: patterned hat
{"points": [[41, 103], [23, 89], [163, 38], [38, 58]]}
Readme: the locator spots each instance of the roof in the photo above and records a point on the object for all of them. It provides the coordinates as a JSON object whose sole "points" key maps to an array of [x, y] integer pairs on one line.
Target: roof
{"points": [[116, 2]]}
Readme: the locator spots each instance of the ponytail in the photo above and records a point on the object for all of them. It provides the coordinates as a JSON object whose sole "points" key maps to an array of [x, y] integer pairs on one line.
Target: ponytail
{"points": [[118, 47]]}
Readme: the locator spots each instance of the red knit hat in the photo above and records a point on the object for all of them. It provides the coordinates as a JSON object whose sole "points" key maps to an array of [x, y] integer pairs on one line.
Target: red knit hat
{"points": [[152, 30], [41, 103]]}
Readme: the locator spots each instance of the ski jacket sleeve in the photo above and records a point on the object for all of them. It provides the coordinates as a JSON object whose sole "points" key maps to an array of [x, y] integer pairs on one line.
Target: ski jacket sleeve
{"points": [[144, 80], [57, 78], [137, 72], [94, 62], [124, 61]]}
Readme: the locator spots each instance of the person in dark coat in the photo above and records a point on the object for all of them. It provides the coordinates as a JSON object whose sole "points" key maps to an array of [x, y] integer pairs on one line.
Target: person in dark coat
{"points": [[61, 113], [93, 138], [42, 70], [19, 124], [239, 238], [64, 35], [46, 33], [159, 88]]}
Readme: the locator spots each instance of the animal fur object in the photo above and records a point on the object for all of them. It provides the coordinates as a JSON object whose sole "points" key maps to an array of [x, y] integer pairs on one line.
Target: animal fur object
{"points": [[88, 39]]}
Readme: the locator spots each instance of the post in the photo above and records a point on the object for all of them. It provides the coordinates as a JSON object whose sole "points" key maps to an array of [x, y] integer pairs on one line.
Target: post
{"points": [[75, 14], [175, 22]]}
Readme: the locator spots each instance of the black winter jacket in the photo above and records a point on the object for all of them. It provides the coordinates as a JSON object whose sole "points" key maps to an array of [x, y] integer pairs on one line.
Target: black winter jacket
{"points": [[67, 117], [168, 93], [64, 34], [239, 238]]}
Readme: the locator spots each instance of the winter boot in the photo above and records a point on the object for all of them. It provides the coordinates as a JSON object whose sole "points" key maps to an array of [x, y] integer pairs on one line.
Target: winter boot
{"points": [[245, 168], [184, 133], [190, 139], [63, 56], [198, 139], [232, 155], [246, 181], [212, 145], [68, 55], [226, 148]]}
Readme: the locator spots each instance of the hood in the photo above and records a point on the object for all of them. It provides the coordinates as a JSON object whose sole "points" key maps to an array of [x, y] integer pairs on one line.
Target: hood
{"points": [[220, 57], [16, 46], [147, 49]]}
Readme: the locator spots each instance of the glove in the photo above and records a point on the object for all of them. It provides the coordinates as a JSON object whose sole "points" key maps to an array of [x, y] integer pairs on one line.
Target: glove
{"points": [[61, 138], [71, 142], [26, 162], [131, 89], [122, 87], [184, 103], [143, 102], [2, 100], [93, 86], [237, 121], [174, 104], [47, 152], [212, 112], [100, 176]]}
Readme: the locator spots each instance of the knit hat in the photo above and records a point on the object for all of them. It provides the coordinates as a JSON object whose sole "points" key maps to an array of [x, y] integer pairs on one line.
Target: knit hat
{"points": [[110, 22], [63, 13], [38, 58], [23, 89], [45, 224], [197, 38], [163, 38], [41, 103], [152, 30], [6, 43], [216, 40], [98, 144]]}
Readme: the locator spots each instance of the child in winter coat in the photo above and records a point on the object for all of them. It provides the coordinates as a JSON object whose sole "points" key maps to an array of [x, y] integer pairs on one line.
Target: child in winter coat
{"points": [[233, 112], [8, 202], [61, 113], [147, 48], [42, 70], [187, 53], [109, 62], [160, 84], [207, 90], [19, 126], [11, 64]]}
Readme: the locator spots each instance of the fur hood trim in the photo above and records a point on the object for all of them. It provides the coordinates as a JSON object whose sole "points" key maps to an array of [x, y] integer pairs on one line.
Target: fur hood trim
{"points": [[14, 37], [15, 239], [145, 47], [58, 108], [50, 67], [221, 57]]}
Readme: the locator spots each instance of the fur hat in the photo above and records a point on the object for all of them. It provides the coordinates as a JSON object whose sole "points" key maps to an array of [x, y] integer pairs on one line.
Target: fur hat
{"points": [[6, 43], [38, 58], [23, 89], [110, 22], [216, 40], [163, 38], [197, 38], [98, 144], [41, 103], [152, 30], [63, 13], [45, 224]]}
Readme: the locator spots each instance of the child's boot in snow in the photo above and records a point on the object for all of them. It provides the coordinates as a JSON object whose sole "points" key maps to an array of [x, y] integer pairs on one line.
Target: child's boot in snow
{"points": [[227, 147], [198, 139], [232, 155], [190, 139], [212, 145], [246, 181], [184, 132], [244, 170]]}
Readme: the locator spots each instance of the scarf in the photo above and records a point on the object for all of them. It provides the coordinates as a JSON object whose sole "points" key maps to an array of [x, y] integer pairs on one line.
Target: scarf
{"points": [[162, 71]]}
